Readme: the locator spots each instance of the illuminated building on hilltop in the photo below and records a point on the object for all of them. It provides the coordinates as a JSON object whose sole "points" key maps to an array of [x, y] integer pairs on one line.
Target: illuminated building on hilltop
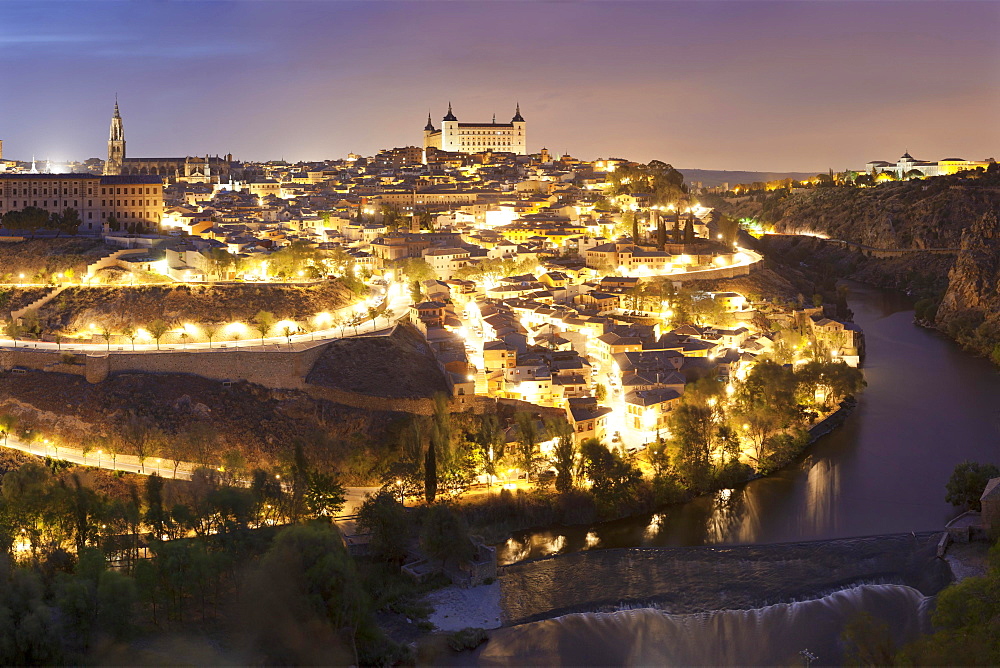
{"points": [[908, 163], [477, 137], [189, 169]]}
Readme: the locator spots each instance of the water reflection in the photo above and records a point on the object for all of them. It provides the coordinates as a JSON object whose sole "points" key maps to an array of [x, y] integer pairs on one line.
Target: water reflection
{"points": [[822, 495], [592, 540], [734, 518], [654, 526]]}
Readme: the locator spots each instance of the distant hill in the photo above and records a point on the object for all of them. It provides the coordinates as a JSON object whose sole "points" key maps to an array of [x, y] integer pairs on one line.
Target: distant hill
{"points": [[716, 177]]}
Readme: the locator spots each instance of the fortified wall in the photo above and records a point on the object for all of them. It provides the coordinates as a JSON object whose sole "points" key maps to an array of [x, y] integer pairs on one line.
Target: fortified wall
{"points": [[274, 369], [721, 272]]}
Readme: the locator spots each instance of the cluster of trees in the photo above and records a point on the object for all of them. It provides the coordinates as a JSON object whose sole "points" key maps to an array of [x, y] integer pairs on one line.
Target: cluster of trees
{"points": [[664, 183], [180, 552], [492, 270], [443, 454], [32, 219], [49, 509], [300, 259]]}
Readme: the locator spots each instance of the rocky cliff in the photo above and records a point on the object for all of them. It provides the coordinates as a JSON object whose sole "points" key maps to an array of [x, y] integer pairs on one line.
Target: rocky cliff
{"points": [[970, 309], [912, 214]]}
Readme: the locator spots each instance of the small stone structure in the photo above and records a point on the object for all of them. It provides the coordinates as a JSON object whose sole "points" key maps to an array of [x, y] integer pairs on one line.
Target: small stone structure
{"points": [[991, 507], [480, 569], [977, 525]]}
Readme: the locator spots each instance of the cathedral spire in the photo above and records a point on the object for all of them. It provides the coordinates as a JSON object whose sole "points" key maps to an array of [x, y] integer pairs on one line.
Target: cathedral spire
{"points": [[116, 143]]}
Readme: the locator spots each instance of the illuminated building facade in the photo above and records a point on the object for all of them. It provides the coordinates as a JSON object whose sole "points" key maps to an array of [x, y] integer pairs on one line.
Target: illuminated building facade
{"points": [[458, 137], [908, 163], [135, 201]]}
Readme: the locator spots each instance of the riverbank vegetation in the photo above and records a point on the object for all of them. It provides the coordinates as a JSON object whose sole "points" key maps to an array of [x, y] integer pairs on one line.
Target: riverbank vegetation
{"points": [[101, 568], [717, 437]]}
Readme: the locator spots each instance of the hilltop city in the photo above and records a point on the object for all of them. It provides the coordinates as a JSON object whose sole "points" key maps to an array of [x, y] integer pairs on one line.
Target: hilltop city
{"points": [[533, 277]]}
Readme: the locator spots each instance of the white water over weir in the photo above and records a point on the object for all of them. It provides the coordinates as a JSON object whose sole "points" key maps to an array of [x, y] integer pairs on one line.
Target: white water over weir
{"points": [[771, 635]]}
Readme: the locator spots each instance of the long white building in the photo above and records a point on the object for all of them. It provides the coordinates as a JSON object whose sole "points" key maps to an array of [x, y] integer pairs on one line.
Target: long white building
{"points": [[477, 137]]}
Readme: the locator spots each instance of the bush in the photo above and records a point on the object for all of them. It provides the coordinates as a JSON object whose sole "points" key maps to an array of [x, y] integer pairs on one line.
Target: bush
{"points": [[467, 638], [732, 473]]}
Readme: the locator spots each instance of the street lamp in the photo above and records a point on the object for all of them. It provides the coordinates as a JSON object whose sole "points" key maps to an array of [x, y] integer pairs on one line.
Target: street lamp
{"points": [[399, 483]]}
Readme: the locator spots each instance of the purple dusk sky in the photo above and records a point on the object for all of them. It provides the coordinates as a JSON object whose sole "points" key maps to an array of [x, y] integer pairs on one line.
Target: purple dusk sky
{"points": [[715, 85]]}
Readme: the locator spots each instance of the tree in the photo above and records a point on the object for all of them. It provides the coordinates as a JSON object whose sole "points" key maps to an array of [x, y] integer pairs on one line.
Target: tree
{"points": [[130, 333], [600, 392], [417, 269], [157, 329], [288, 331], [211, 329], [325, 496], [689, 230], [156, 515], [967, 482], [13, 330], [263, 322], [138, 435], [527, 439], [564, 451], [306, 580], [490, 444], [693, 428], [430, 473], [384, 518], [445, 535], [106, 333], [8, 422], [68, 222], [219, 260], [612, 478], [965, 624]]}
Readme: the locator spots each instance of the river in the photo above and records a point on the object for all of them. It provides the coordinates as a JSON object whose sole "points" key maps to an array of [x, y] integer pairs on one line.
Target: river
{"points": [[928, 406]]}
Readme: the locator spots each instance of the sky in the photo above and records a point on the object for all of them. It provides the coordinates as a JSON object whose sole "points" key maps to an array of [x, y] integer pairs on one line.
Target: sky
{"points": [[770, 86]]}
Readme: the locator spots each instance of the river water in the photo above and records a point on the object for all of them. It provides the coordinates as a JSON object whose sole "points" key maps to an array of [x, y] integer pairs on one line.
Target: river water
{"points": [[928, 406]]}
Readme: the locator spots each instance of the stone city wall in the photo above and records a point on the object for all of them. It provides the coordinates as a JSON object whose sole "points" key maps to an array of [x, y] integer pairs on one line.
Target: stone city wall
{"points": [[42, 360], [277, 369], [721, 272]]}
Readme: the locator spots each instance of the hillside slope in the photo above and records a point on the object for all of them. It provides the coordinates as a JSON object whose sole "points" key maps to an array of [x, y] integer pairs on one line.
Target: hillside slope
{"points": [[400, 365]]}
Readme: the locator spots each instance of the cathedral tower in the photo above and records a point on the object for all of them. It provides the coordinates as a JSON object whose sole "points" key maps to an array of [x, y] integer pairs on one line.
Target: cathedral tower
{"points": [[116, 144]]}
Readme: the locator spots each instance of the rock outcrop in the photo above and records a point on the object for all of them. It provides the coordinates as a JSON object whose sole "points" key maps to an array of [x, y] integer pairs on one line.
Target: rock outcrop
{"points": [[914, 214], [970, 309]]}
